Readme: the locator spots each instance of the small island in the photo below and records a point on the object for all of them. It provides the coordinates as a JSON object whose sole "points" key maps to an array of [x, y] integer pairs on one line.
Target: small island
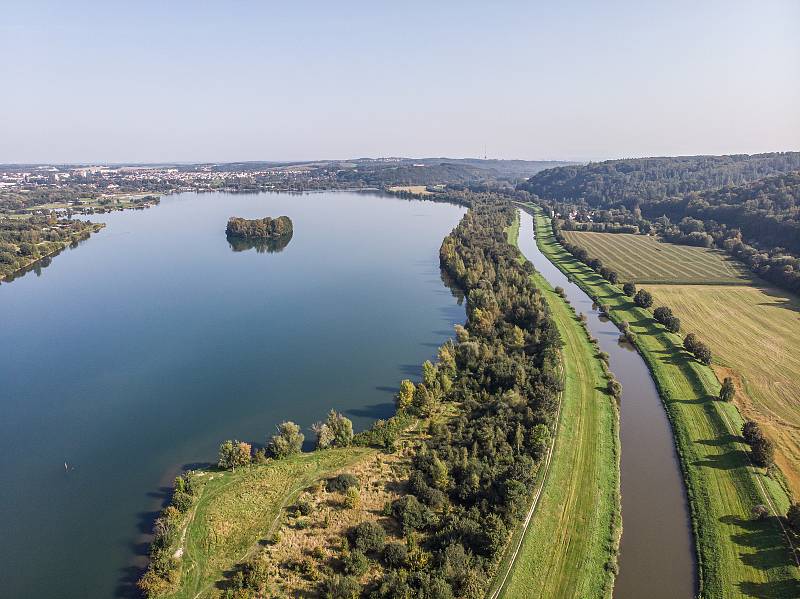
{"points": [[259, 228], [264, 234]]}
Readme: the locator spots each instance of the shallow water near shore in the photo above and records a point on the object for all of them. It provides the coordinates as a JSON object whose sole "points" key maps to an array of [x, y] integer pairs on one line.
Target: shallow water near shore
{"points": [[135, 354], [656, 550]]}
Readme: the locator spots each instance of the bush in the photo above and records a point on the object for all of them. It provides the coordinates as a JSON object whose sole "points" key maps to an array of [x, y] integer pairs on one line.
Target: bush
{"points": [[629, 289], [759, 512], [793, 517], [352, 498], [355, 563], [341, 482], [643, 299], [751, 432], [662, 313], [614, 388], [368, 536], [305, 505], [340, 587], [411, 514], [395, 555]]}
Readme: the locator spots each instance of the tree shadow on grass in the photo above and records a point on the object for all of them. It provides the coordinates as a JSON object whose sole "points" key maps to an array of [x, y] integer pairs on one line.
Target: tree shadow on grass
{"points": [[720, 441], [730, 460], [778, 589]]}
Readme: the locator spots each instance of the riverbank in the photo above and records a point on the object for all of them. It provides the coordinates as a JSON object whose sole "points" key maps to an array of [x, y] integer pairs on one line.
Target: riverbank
{"points": [[737, 555], [570, 547]]}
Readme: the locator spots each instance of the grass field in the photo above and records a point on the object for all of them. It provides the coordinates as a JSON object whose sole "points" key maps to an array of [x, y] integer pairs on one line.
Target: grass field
{"points": [[418, 189], [574, 532], [737, 556], [754, 334], [236, 510], [642, 259]]}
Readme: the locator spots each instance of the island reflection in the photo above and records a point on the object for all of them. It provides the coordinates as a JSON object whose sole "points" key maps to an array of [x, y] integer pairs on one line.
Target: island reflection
{"points": [[270, 246]]}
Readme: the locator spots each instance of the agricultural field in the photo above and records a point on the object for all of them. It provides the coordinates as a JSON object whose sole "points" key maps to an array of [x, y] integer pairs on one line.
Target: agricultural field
{"points": [[574, 531], [754, 334], [417, 189], [643, 259], [737, 556]]}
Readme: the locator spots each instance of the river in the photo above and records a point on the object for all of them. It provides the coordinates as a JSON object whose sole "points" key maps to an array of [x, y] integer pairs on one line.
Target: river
{"points": [[136, 353], [656, 551]]}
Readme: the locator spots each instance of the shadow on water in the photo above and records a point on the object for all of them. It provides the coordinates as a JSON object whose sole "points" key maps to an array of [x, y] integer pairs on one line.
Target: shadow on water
{"points": [[140, 548], [378, 411], [269, 246]]}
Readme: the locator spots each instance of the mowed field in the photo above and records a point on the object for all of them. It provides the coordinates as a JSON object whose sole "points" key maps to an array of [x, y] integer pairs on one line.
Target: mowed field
{"points": [[754, 334], [642, 259]]}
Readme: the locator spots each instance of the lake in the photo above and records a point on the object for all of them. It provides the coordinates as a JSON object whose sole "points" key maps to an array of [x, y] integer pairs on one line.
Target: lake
{"points": [[133, 355]]}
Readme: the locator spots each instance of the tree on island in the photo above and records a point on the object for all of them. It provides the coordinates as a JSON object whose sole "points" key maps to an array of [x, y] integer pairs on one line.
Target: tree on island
{"points": [[234, 453]]}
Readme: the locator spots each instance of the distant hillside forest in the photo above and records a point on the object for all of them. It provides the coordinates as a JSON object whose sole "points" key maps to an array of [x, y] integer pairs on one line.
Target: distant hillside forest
{"points": [[746, 205]]}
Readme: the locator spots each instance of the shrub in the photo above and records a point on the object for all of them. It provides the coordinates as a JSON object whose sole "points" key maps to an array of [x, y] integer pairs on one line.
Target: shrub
{"points": [[395, 555], [759, 512], [751, 432], [614, 388], [341, 482], [643, 299], [411, 514], [793, 516], [352, 498], [355, 563], [340, 587], [662, 313], [368, 536], [305, 505], [629, 289]]}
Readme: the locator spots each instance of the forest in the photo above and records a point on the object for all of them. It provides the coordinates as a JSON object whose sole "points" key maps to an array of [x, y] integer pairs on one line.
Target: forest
{"points": [[748, 206], [23, 241]]}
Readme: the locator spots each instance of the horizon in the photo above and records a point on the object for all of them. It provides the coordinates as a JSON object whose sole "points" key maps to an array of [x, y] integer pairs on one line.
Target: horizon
{"points": [[378, 158], [578, 82]]}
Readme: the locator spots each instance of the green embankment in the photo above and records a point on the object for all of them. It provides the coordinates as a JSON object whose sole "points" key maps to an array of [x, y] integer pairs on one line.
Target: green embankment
{"points": [[570, 545], [737, 555], [236, 510]]}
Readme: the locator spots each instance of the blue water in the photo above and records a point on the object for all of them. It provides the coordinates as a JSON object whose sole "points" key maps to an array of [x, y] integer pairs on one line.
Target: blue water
{"points": [[138, 352]]}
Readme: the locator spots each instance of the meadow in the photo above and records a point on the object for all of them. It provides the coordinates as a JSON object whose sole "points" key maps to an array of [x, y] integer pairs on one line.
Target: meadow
{"points": [[754, 334], [643, 259], [236, 512], [737, 555]]}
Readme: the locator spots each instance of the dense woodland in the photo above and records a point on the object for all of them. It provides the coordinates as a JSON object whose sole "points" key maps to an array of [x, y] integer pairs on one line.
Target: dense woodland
{"points": [[259, 228], [747, 205], [23, 241]]}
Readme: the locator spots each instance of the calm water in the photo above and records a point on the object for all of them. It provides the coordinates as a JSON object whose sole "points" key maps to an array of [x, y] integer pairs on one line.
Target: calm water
{"points": [[657, 550], [137, 352]]}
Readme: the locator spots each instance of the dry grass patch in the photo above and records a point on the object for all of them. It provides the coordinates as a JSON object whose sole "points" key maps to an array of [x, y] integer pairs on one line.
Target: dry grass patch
{"points": [[643, 259], [754, 334]]}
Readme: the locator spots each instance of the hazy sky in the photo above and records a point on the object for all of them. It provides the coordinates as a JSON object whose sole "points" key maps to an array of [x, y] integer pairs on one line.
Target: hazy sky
{"points": [[223, 81]]}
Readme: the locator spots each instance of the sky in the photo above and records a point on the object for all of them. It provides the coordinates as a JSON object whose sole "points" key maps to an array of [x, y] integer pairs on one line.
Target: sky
{"points": [[219, 81]]}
